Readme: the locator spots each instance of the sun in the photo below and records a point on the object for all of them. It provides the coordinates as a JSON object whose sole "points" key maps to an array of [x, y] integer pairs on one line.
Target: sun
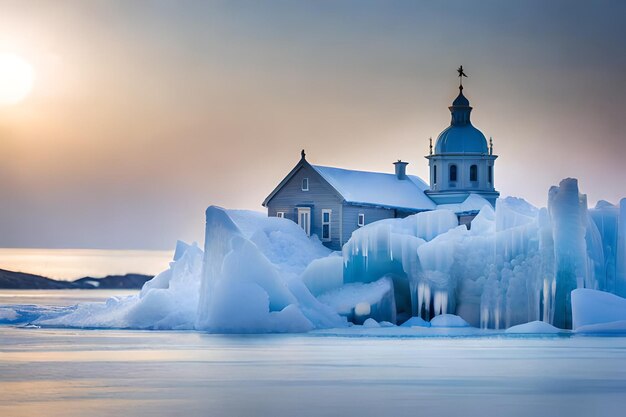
{"points": [[16, 79]]}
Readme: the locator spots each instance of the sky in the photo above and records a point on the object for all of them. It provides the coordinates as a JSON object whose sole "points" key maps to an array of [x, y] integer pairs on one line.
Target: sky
{"points": [[144, 113]]}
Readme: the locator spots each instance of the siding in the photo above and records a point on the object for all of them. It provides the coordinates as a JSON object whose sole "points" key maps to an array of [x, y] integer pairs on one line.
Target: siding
{"points": [[320, 196], [372, 214]]}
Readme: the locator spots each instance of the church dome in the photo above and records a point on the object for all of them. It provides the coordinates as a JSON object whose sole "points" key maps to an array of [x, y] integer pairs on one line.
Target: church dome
{"points": [[461, 139], [461, 136]]}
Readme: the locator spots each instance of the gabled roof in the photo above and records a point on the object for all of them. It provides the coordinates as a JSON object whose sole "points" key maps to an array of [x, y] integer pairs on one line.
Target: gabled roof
{"points": [[377, 188], [369, 188]]}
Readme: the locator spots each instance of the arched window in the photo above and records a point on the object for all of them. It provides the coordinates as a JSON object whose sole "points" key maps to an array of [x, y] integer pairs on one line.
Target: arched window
{"points": [[474, 173], [435, 174], [452, 172], [490, 174]]}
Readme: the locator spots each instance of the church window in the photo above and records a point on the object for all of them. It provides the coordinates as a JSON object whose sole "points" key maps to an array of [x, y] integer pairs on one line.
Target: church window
{"points": [[490, 174], [435, 174], [305, 184], [474, 173], [452, 172], [280, 214], [361, 220]]}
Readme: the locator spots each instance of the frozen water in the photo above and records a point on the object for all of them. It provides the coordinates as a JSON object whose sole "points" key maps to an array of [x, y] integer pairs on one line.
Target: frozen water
{"points": [[514, 265], [416, 321], [620, 286], [448, 320], [534, 327], [590, 307], [360, 301]]}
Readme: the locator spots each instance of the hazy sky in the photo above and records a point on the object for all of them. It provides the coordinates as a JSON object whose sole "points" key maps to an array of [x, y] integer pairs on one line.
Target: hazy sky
{"points": [[144, 113]]}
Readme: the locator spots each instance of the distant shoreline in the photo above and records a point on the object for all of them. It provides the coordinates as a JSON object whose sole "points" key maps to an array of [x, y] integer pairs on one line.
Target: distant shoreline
{"points": [[25, 281]]}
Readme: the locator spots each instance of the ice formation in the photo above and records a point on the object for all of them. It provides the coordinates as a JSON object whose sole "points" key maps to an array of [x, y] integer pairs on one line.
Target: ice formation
{"points": [[534, 327], [597, 311], [516, 264]]}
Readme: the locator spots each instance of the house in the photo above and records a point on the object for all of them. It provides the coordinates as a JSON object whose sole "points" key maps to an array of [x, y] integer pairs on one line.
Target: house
{"points": [[333, 202]]}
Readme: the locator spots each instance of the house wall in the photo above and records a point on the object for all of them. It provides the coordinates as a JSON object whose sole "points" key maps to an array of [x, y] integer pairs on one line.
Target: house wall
{"points": [[320, 196], [372, 214]]}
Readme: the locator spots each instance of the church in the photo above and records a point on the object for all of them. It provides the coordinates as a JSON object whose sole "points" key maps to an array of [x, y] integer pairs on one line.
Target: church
{"points": [[333, 202]]}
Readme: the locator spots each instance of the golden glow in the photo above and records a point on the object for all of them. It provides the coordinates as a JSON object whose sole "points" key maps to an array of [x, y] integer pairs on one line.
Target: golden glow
{"points": [[16, 79]]}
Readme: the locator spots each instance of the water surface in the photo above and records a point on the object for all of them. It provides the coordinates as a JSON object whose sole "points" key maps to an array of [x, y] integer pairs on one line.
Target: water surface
{"points": [[77, 373], [131, 373]]}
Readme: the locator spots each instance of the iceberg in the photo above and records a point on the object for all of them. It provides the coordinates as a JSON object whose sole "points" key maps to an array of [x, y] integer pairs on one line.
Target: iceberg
{"points": [[513, 265], [597, 308]]}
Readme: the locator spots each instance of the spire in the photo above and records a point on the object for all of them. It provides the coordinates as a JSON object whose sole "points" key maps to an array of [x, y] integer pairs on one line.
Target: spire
{"points": [[302, 154], [460, 108], [431, 145], [490, 145]]}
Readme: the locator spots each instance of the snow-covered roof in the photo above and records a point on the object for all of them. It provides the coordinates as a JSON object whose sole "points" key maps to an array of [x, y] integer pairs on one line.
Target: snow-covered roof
{"points": [[472, 203], [377, 188]]}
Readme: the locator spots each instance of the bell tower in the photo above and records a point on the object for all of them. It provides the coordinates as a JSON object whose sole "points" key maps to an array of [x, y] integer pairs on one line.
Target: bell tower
{"points": [[462, 163]]}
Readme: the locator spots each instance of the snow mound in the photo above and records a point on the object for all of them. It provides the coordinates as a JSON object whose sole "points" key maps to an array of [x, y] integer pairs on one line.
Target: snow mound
{"points": [[448, 320], [415, 322], [591, 307], [371, 323], [534, 327]]}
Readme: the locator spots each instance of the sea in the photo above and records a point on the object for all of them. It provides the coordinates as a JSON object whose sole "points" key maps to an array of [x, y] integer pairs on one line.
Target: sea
{"points": [[104, 373], [70, 264]]}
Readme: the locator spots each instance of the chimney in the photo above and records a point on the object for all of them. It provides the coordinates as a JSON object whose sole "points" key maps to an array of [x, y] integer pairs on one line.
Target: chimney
{"points": [[401, 169]]}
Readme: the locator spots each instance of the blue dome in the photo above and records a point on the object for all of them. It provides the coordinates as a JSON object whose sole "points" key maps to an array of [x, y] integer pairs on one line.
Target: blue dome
{"points": [[461, 139], [461, 136]]}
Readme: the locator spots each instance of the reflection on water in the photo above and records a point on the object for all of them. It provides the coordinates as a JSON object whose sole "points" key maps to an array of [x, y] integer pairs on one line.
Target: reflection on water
{"points": [[49, 372], [69, 264], [59, 297]]}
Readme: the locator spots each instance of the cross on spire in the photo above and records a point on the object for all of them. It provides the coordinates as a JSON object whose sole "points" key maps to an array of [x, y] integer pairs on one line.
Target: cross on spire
{"points": [[461, 75]]}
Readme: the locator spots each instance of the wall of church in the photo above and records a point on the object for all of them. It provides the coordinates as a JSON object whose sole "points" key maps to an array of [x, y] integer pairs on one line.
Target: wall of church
{"points": [[463, 164]]}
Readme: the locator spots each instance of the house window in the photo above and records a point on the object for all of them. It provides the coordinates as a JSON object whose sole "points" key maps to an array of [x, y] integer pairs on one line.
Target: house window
{"points": [[490, 174], [435, 174], [326, 216], [474, 173], [452, 172], [361, 221], [305, 184], [280, 214]]}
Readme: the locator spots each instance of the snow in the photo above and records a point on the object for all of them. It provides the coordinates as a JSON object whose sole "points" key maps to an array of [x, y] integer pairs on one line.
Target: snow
{"points": [[472, 203], [534, 327], [448, 320], [591, 307], [378, 189], [360, 301], [416, 321], [371, 323], [8, 314], [323, 274]]}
